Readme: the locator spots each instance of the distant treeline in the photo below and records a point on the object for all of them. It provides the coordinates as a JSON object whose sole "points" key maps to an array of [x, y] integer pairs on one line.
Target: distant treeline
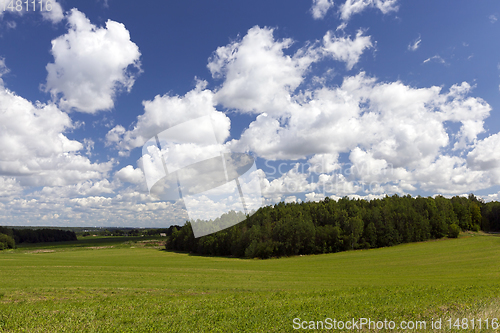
{"points": [[332, 226], [38, 235], [131, 232]]}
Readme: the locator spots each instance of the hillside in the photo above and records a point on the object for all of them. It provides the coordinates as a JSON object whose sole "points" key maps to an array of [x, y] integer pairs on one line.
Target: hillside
{"points": [[132, 287]]}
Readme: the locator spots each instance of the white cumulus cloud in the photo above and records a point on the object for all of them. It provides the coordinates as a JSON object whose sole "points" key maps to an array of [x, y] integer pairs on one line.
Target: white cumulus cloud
{"points": [[91, 64], [167, 111], [320, 8], [257, 74], [486, 156], [346, 49], [395, 136], [35, 148], [130, 174], [55, 14], [351, 7]]}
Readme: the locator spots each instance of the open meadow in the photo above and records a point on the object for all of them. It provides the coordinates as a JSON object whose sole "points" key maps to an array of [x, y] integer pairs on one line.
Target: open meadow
{"points": [[132, 285]]}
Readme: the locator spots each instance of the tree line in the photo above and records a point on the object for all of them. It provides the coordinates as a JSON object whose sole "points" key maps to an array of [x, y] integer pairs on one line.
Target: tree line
{"points": [[130, 232], [333, 226], [9, 237]]}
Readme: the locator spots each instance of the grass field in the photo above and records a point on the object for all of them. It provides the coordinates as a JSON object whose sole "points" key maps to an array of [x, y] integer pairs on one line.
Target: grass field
{"points": [[132, 285]]}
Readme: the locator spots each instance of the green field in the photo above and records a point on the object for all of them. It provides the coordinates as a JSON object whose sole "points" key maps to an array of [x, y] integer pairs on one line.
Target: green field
{"points": [[132, 285]]}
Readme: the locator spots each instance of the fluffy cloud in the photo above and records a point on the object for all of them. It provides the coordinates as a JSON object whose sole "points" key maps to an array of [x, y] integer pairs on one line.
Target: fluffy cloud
{"points": [[167, 111], [351, 7], [258, 76], [35, 149], [37, 153], [486, 156], [374, 177], [126, 207], [80, 189], [346, 49], [32, 130], [395, 136], [323, 163], [313, 196], [62, 170], [320, 8], [293, 181], [391, 137], [91, 64], [9, 187], [131, 175], [55, 14], [402, 125], [450, 174]]}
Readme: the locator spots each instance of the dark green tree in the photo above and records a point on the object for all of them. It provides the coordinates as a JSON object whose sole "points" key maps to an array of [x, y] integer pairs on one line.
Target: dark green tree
{"points": [[6, 242]]}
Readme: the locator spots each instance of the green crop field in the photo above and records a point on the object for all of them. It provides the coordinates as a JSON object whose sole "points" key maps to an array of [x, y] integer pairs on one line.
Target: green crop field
{"points": [[132, 285]]}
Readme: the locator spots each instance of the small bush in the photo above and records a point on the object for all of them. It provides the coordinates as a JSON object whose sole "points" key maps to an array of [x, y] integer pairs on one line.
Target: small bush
{"points": [[453, 230], [6, 242]]}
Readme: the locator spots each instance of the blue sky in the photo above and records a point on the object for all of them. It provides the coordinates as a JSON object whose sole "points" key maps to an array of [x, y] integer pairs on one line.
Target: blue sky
{"points": [[360, 98]]}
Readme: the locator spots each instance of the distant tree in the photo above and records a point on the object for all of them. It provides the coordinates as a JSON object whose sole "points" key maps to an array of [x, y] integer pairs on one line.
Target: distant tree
{"points": [[294, 235], [490, 216], [437, 220], [118, 232], [445, 208], [370, 234], [6, 242], [353, 230], [328, 239], [461, 209], [104, 232], [475, 213], [453, 231]]}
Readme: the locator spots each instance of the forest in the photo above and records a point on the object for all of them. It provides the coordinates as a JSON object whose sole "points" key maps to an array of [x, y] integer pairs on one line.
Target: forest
{"points": [[332, 226], [33, 236]]}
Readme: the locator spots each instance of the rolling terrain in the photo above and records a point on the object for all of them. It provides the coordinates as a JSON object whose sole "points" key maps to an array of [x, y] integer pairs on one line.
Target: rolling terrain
{"points": [[133, 285]]}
